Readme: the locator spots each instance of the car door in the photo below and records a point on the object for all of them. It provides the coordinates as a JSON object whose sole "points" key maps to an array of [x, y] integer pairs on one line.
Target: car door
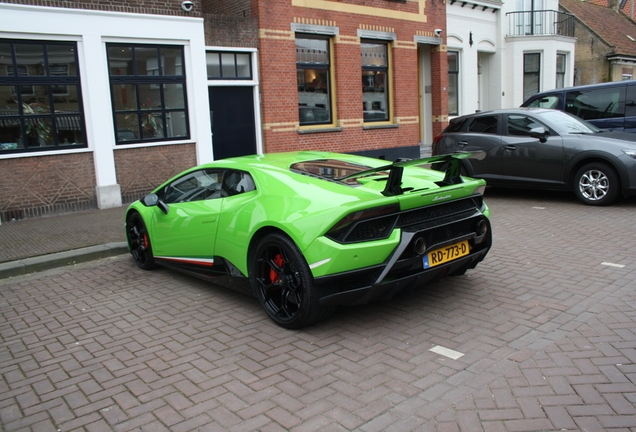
{"points": [[482, 133], [527, 159], [188, 231]]}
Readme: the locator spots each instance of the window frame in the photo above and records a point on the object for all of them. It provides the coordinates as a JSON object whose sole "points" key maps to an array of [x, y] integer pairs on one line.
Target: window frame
{"points": [[534, 73], [388, 78], [158, 81], [455, 75], [330, 76], [560, 74], [235, 63], [42, 116]]}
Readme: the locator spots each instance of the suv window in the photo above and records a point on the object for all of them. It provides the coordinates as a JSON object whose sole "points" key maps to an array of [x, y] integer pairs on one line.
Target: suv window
{"points": [[596, 104], [521, 125], [551, 101], [484, 124], [455, 126]]}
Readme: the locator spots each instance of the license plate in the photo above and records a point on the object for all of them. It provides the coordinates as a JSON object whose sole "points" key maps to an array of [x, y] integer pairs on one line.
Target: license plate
{"points": [[446, 254]]}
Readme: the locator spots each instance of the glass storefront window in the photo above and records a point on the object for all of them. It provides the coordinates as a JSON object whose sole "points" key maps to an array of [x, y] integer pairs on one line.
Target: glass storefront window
{"points": [[148, 92], [40, 90]]}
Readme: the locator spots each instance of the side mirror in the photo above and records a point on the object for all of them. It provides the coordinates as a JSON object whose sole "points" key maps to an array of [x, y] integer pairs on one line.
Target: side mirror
{"points": [[153, 200], [539, 133]]}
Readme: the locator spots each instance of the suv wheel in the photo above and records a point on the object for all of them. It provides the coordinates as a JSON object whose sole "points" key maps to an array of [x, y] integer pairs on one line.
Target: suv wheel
{"points": [[596, 184]]}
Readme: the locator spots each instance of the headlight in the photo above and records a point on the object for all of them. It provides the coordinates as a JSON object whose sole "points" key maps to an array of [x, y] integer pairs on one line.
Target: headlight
{"points": [[630, 153]]}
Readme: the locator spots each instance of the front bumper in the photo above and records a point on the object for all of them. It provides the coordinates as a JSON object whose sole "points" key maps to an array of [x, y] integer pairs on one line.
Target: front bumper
{"points": [[404, 268]]}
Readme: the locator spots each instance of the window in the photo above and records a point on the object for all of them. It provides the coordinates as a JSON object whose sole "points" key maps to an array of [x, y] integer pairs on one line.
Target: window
{"points": [[560, 71], [313, 72], [229, 65], [41, 98], [484, 124], [596, 104], [520, 125], [148, 92], [531, 69], [375, 90], [531, 21], [453, 83], [207, 184], [550, 101]]}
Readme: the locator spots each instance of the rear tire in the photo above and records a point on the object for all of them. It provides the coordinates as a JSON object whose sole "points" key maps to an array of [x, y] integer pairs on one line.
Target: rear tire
{"points": [[283, 283], [139, 241], [596, 184]]}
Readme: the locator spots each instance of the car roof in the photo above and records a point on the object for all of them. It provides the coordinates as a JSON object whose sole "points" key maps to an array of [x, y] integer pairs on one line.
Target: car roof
{"points": [[522, 110], [580, 87]]}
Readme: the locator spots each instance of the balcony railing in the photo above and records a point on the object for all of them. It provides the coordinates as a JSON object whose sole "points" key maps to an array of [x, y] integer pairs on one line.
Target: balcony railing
{"points": [[542, 22]]}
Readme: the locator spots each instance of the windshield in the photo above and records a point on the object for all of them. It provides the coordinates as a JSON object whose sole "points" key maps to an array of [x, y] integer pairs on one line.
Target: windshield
{"points": [[567, 123]]}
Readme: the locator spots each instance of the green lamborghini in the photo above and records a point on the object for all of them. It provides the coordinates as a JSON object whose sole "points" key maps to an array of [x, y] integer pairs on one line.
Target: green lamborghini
{"points": [[307, 231]]}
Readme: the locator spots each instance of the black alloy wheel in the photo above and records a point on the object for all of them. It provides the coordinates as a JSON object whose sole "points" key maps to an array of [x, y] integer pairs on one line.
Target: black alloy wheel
{"points": [[139, 241], [596, 184], [283, 283]]}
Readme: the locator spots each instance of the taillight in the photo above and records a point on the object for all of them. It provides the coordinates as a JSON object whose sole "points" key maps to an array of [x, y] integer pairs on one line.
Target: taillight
{"points": [[365, 225]]}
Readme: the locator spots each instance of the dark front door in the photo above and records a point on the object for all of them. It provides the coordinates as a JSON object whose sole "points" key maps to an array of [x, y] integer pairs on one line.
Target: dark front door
{"points": [[233, 125]]}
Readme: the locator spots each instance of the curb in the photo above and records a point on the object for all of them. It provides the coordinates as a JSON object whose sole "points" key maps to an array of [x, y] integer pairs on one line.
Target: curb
{"points": [[61, 259]]}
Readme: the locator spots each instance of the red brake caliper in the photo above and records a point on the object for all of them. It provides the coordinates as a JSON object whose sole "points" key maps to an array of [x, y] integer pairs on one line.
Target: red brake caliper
{"points": [[278, 260], [146, 242]]}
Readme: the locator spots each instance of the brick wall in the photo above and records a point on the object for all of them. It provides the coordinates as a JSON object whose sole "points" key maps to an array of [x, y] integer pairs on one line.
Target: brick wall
{"points": [[591, 64], [140, 170], [278, 76], [41, 185], [230, 31], [153, 7], [237, 8]]}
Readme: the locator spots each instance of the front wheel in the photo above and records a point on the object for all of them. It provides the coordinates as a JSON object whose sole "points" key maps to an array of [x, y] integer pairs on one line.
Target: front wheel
{"points": [[139, 241], [596, 184], [283, 283]]}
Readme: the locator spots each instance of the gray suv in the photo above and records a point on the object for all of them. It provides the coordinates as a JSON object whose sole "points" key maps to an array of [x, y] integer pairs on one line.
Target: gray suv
{"points": [[544, 149]]}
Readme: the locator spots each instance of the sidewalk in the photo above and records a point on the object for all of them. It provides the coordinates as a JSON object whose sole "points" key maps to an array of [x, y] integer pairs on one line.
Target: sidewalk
{"points": [[37, 244]]}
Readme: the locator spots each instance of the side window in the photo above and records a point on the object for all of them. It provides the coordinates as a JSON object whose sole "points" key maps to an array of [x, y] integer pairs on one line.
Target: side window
{"points": [[195, 186], [485, 124], [630, 102], [551, 101], [520, 125], [238, 182], [455, 126], [597, 104]]}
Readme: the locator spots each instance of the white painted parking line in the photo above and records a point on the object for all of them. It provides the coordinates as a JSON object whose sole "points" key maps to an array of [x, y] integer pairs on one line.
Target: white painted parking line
{"points": [[612, 265], [539, 208], [446, 352]]}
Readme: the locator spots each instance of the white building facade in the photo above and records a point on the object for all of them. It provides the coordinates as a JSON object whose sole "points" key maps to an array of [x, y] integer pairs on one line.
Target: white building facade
{"points": [[500, 53], [104, 91]]}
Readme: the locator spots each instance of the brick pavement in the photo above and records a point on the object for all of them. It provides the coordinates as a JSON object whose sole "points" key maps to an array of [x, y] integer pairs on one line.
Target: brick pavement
{"points": [[546, 326], [40, 236]]}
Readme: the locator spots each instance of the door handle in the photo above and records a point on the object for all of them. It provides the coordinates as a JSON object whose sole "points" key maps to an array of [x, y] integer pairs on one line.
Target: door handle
{"points": [[510, 147], [462, 143]]}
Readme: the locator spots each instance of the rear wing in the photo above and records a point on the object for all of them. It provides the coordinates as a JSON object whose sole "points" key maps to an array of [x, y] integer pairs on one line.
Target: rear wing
{"points": [[450, 162]]}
